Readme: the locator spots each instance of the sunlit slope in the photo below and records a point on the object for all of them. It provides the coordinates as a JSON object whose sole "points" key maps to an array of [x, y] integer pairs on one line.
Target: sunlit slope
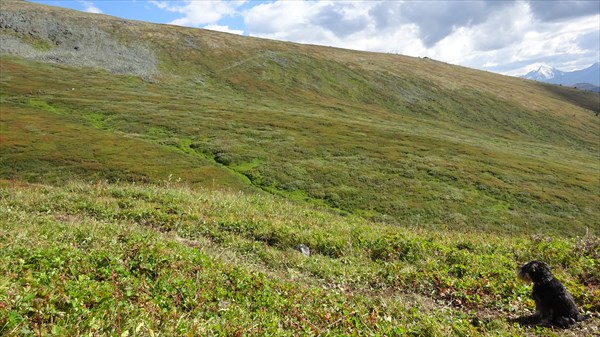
{"points": [[405, 140], [109, 259]]}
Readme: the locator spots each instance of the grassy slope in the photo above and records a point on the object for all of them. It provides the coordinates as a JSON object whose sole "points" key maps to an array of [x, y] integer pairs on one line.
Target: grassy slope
{"points": [[42, 141], [495, 167], [408, 140], [90, 259]]}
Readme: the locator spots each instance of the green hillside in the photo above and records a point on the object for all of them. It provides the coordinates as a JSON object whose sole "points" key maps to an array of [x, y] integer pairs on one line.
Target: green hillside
{"points": [[112, 259], [130, 151], [385, 136]]}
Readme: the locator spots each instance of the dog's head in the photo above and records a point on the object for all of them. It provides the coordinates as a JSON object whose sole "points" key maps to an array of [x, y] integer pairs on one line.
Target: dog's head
{"points": [[534, 271]]}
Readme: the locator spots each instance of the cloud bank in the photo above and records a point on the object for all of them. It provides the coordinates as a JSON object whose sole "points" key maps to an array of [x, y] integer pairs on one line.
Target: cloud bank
{"points": [[90, 7]]}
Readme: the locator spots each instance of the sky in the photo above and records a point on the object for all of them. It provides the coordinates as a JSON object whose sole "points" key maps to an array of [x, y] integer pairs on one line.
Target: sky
{"points": [[510, 37]]}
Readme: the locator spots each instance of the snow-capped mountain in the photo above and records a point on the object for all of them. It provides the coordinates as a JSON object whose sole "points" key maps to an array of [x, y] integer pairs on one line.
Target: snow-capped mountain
{"points": [[544, 74], [548, 74]]}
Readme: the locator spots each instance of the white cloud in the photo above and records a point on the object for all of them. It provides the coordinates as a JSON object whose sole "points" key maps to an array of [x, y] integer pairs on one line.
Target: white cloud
{"points": [[557, 44], [501, 36], [162, 5], [224, 29], [504, 36], [558, 10], [330, 23], [281, 19], [489, 42], [198, 13], [90, 7]]}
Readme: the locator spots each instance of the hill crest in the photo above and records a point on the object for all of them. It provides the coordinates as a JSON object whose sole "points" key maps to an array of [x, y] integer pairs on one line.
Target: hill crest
{"points": [[126, 47]]}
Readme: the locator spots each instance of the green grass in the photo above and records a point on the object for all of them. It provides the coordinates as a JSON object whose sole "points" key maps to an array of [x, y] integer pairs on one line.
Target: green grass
{"points": [[114, 259], [455, 158]]}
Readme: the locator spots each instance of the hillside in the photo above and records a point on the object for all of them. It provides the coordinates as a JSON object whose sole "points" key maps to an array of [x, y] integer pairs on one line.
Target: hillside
{"points": [[112, 259], [157, 179], [385, 136]]}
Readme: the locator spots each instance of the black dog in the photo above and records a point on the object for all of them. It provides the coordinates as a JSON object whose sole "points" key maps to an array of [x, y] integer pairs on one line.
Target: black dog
{"points": [[554, 305]]}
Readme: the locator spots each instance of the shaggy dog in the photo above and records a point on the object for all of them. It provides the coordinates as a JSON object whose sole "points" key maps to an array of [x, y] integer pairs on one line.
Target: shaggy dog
{"points": [[554, 305]]}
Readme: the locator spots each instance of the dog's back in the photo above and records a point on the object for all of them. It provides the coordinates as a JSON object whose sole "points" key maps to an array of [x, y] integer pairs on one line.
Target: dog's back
{"points": [[550, 293]]}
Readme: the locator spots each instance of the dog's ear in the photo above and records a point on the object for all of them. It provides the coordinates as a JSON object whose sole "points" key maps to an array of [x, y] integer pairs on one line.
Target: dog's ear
{"points": [[534, 267], [538, 266], [543, 265]]}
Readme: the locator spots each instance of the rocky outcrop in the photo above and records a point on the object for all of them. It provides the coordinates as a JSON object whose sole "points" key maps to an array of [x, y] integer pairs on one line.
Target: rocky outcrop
{"points": [[71, 41]]}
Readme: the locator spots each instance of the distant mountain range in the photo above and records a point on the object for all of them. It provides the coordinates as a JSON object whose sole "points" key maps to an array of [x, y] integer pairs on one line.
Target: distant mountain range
{"points": [[585, 79]]}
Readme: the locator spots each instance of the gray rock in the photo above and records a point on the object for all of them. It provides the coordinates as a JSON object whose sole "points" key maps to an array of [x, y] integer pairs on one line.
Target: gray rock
{"points": [[73, 42], [303, 249]]}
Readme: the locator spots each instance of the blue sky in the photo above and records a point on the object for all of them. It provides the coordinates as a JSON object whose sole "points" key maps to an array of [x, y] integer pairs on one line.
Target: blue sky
{"points": [[511, 37], [151, 11]]}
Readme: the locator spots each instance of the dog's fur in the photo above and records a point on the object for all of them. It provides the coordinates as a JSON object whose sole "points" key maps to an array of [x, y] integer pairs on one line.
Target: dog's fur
{"points": [[553, 303]]}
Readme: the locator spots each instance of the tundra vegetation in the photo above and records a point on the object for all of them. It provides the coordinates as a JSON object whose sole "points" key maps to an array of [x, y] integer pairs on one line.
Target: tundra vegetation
{"points": [[167, 198]]}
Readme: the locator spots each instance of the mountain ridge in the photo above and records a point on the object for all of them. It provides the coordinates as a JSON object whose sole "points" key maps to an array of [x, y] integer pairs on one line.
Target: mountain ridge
{"points": [[543, 73], [590, 75]]}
